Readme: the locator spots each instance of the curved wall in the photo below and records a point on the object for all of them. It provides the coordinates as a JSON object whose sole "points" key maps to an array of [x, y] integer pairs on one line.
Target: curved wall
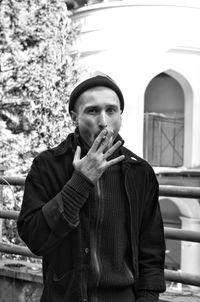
{"points": [[134, 41]]}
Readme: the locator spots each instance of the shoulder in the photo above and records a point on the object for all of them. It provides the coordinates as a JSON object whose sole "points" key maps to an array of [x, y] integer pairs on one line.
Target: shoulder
{"points": [[53, 157], [56, 152], [44, 155], [42, 158], [140, 164], [130, 154]]}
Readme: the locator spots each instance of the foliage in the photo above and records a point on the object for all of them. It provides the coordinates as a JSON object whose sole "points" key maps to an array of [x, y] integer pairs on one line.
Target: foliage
{"points": [[37, 73], [36, 67]]}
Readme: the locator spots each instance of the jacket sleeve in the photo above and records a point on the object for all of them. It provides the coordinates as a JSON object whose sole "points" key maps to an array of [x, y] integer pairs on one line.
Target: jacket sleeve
{"points": [[43, 221], [151, 251]]}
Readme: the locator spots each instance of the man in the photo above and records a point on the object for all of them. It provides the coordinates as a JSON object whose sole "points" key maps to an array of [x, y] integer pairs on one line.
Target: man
{"points": [[91, 210]]}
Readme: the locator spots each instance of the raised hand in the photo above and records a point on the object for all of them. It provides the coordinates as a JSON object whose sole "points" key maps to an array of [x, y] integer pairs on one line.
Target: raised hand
{"points": [[95, 162]]}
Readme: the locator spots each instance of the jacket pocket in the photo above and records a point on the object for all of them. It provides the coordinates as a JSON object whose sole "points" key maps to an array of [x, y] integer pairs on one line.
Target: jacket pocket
{"points": [[62, 288], [63, 283]]}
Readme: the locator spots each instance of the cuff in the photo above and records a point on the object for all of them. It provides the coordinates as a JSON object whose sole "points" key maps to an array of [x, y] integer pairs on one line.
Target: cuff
{"points": [[74, 195]]}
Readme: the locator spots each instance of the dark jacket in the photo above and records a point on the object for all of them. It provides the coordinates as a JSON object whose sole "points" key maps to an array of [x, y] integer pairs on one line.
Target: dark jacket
{"points": [[64, 245]]}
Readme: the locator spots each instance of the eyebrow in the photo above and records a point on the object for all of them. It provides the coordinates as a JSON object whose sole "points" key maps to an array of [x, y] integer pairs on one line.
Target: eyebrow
{"points": [[91, 107], [96, 106]]}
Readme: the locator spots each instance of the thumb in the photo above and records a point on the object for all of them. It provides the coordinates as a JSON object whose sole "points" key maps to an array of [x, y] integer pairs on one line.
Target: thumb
{"points": [[77, 154]]}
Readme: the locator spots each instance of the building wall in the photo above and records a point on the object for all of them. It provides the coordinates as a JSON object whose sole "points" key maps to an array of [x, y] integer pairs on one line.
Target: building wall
{"points": [[134, 41], [14, 290], [20, 281]]}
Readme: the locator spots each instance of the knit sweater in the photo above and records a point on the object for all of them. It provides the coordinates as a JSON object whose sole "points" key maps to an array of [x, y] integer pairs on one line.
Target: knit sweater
{"points": [[111, 270]]}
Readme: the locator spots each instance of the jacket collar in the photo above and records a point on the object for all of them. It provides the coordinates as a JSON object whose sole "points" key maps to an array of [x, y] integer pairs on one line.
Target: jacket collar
{"points": [[65, 146], [73, 140], [71, 143], [130, 157]]}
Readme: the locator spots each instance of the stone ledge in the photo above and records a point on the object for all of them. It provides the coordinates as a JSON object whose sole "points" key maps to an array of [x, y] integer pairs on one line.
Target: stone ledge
{"points": [[27, 280], [21, 270]]}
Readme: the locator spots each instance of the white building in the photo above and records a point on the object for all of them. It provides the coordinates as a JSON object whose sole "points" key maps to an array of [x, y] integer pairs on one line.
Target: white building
{"points": [[151, 48]]}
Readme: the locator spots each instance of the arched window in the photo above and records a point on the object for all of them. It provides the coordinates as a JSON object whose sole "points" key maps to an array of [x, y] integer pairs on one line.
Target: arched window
{"points": [[164, 122]]}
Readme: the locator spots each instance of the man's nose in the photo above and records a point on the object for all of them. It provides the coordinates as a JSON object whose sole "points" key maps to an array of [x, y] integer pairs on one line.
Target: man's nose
{"points": [[102, 122]]}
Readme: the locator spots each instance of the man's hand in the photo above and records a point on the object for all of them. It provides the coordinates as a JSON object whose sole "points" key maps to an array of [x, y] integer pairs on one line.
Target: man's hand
{"points": [[95, 162]]}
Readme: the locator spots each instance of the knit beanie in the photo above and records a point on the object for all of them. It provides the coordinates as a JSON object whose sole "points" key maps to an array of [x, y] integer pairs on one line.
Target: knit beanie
{"points": [[92, 82]]}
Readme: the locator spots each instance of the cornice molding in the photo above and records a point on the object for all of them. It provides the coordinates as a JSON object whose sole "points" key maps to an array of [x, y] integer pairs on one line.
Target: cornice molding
{"points": [[191, 4], [185, 50]]}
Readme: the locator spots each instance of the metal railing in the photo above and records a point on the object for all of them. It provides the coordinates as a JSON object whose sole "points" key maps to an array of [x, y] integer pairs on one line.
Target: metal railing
{"points": [[170, 233]]}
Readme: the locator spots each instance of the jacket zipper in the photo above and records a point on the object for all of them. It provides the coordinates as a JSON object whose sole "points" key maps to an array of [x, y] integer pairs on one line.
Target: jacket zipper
{"points": [[128, 272], [131, 228], [95, 258], [97, 226]]}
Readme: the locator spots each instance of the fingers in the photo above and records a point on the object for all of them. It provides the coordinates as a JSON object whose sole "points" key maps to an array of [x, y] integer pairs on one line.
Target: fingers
{"points": [[106, 141], [114, 161], [112, 149], [98, 140], [77, 154]]}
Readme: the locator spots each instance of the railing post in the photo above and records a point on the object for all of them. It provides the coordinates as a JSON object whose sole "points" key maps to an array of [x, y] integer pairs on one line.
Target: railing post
{"points": [[190, 252], [1, 200]]}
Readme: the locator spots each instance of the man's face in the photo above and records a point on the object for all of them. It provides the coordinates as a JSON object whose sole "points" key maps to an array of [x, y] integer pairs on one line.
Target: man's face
{"points": [[97, 108]]}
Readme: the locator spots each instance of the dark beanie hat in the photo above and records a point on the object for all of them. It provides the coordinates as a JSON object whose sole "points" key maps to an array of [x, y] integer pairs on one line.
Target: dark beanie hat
{"points": [[95, 81]]}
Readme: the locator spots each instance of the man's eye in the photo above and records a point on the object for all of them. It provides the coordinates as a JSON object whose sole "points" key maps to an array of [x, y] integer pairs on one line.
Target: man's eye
{"points": [[111, 110], [92, 111]]}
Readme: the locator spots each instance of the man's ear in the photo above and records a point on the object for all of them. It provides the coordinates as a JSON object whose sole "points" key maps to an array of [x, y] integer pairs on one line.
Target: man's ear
{"points": [[73, 115]]}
